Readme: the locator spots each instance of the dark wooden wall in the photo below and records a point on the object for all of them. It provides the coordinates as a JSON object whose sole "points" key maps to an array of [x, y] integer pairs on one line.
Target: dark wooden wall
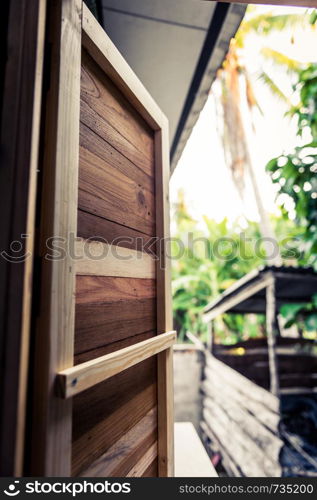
{"points": [[116, 199], [297, 363], [240, 421]]}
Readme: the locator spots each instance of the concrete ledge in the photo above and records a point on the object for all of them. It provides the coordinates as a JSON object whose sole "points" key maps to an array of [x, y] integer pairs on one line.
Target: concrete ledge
{"points": [[191, 458]]}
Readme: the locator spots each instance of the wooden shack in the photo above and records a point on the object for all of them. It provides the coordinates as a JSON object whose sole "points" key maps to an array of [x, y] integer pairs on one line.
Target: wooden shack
{"points": [[249, 387]]}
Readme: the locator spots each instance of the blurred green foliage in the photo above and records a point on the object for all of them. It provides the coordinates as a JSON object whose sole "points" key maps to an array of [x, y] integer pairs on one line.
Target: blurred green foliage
{"points": [[295, 173], [208, 257]]}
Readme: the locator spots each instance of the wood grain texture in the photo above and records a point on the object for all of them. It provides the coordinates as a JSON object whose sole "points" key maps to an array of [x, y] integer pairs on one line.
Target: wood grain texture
{"points": [[111, 309], [164, 306], [112, 158], [140, 467], [152, 470], [96, 258], [239, 382], [112, 187], [109, 114], [166, 413], [119, 460], [102, 289], [113, 409], [81, 377], [99, 324], [51, 439], [100, 229]]}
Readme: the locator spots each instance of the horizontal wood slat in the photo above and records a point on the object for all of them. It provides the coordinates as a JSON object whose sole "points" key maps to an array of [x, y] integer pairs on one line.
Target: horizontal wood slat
{"points": [[97, 228], [96, 258], [113, 188], [101, 324], [101, 289], [95, 406], [81, 377], [110, 310], [117, 122], [99, 422], [120, 458], [144, 463], [152, 470]]}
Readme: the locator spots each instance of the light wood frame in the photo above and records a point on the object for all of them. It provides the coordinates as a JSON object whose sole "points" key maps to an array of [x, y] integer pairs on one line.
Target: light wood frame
{"points": [[76, 28], [85, 375]]}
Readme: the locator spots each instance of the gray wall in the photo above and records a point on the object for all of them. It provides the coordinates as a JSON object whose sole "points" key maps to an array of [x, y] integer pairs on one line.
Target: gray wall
{"points": [[188, 366]]}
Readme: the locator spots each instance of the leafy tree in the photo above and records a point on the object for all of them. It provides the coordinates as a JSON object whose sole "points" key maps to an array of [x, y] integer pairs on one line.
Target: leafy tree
{"points": [[295, 173]]}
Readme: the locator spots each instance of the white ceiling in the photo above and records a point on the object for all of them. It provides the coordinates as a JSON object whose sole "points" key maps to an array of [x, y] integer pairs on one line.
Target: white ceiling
{"points": [[162, 41]]}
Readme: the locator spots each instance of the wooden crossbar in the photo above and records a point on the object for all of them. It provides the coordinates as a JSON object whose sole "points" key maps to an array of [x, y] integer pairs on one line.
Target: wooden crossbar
{"points": [[78, 378]]}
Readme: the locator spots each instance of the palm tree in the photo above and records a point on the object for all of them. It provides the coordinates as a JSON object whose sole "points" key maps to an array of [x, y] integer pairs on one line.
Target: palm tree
{"points": [[237, 90]]}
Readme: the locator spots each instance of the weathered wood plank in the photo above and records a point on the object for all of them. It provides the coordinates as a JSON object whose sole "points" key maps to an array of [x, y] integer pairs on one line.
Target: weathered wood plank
{"points": [[127, 451], [266, 441], [112, 309], [110, 423], [244, 451], [93, 406], [152, 470], [99, 324], [102, 289], [117, 121], [242, 383], [144, 463], [214, 382], [110, 157], [108, 193], [100, 229]]}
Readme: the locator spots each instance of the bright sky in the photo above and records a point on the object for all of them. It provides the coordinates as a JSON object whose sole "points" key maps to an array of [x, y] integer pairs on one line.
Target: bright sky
{"points": [[201, 171]]}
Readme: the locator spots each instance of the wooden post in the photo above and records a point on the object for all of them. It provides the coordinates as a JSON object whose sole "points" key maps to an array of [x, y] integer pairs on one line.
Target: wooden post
{"points": [[210, 341], [52, 417], [271, 331]]}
